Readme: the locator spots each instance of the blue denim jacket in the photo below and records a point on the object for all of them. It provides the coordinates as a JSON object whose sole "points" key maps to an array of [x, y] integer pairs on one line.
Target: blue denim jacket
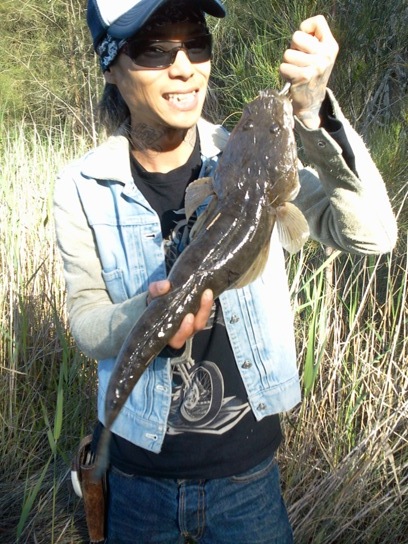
{"points": [[258, 317], [98, 192]]}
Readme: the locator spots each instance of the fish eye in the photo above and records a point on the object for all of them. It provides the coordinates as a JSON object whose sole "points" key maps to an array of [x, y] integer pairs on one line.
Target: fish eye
{"points": [[248, 125], [274, 128]]}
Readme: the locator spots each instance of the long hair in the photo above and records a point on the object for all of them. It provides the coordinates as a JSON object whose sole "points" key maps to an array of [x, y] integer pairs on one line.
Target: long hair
{"points": [[113, 110]]}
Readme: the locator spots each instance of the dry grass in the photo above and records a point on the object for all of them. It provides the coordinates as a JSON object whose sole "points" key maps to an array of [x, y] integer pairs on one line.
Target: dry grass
{"points": [[46, 387], [346, 454], [345, 460]]}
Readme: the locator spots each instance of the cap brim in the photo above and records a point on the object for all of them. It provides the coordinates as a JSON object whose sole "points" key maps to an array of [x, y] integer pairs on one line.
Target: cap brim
{"points": [[132, 21]]}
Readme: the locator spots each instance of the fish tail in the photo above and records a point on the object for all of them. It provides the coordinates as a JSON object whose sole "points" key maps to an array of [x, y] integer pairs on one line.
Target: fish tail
{"points": [[102, 455]]}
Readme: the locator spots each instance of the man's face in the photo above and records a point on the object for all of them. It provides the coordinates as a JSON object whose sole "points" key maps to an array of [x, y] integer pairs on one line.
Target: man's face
{"points": [[171, 97]]}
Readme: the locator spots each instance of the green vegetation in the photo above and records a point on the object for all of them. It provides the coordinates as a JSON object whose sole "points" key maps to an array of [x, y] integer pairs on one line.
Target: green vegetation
{"points": [[344, 463]]}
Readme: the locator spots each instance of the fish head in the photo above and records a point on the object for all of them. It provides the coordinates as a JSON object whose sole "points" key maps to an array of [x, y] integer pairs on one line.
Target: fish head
{"points": [[262, 147]]}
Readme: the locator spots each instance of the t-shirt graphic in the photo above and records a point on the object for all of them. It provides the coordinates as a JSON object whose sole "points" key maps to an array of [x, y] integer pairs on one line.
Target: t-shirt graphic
{"points": [[199, 401]]}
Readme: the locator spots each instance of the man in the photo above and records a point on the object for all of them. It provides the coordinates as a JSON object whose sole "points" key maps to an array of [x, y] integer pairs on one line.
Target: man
{"points": [[192, 454]]}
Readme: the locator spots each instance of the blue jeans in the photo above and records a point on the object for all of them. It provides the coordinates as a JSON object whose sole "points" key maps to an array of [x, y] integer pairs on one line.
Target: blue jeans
{"points": [[243, 509]]}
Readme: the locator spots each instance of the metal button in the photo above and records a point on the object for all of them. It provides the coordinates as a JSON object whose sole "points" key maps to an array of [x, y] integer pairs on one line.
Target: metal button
{"points": [[262, 406], [234, 319], [246, 364]]}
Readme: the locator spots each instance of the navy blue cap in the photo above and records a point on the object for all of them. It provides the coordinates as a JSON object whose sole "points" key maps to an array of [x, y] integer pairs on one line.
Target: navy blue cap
{"points": [[123, 18]]}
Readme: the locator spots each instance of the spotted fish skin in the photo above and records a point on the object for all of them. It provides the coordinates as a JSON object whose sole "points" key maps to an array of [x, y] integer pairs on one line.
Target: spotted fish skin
{"points": [[254, 181]]}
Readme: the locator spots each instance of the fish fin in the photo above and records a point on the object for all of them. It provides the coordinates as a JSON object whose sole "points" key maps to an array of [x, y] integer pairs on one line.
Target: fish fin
{"points": [[204, 218], [292, 227], [255, 270], [196, 193], [102, 455]]}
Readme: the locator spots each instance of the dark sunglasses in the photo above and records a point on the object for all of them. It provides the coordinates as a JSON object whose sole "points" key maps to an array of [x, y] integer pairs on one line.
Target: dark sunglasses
{"points": [[162, 53]]}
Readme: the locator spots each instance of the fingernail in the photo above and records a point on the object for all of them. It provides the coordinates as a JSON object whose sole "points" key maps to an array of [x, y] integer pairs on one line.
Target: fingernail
{"points": [[162, 285]]}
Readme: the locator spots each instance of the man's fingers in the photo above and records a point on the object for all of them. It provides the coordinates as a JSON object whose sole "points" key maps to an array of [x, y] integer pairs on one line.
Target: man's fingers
{"points": [[308, 43], [193, 323], [204, 311], [317, 26], [185, 331], [157, 289]]}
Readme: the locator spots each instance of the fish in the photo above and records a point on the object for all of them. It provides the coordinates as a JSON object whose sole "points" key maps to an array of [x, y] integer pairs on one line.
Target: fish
{"points": [[252, 189]]}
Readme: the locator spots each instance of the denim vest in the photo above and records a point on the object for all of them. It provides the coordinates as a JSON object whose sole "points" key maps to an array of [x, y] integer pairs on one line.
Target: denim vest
{"points": [[258, 317]]}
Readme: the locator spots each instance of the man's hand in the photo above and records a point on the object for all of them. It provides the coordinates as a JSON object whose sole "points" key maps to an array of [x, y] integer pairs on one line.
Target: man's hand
{"points": [[191, 323], [307, 64]]}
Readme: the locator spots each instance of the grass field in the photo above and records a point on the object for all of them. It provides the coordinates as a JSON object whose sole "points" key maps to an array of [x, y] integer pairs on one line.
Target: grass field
{"points": [[344, 462]]}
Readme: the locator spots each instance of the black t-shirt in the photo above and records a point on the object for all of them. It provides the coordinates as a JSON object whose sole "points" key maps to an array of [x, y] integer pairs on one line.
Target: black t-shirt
{"points": [[212, 432]]}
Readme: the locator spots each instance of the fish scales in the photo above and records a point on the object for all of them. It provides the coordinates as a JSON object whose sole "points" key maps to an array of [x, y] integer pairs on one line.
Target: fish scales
{"points": [[256, 177]]}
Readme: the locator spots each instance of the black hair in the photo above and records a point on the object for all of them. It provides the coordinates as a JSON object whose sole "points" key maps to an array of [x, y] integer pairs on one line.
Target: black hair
{"points": [[113, 110]]}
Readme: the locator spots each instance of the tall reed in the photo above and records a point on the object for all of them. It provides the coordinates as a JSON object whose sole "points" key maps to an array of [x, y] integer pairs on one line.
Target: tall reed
{"points": [[42, 376], [346, 454]]}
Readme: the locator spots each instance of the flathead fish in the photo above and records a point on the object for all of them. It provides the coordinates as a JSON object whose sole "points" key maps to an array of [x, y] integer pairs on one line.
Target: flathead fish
{"points": [[253, 184]]}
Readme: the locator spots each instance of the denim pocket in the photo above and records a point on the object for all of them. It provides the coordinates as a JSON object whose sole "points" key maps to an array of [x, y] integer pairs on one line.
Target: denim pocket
{"points": [[116, 472], [115, 284], [255, 473]]}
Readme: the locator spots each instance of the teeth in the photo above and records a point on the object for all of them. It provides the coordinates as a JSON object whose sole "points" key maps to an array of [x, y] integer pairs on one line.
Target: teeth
{"points": [[181, 97]]}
